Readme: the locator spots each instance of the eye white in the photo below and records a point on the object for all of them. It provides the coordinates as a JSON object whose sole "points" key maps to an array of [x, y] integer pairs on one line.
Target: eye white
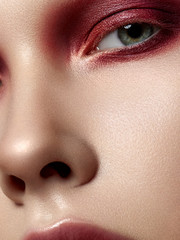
{"points": [[110, 41]]}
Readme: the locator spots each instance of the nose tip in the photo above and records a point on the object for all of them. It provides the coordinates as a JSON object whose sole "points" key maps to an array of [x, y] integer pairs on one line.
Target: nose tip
{"points": [[29, 163]]}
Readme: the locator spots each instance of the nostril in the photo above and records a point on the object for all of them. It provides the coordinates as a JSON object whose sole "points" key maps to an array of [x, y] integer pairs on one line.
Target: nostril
{"points": [[16, 183], [53, 168]]}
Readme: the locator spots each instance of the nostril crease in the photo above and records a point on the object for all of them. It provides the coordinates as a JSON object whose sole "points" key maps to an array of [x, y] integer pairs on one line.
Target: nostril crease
{"points": [[54, 168], [16, 183]]}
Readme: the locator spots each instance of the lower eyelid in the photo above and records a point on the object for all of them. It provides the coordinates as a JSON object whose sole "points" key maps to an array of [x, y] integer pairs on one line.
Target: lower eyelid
{"points": [[155, 46]]}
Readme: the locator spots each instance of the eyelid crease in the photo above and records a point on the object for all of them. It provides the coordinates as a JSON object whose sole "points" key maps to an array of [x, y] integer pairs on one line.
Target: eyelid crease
{"points": [[161, 18], [124, 10]]}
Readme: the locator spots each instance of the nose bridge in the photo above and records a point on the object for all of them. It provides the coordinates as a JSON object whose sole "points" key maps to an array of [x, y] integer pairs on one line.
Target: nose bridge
{"points": [[29, 127], [31, 80]]}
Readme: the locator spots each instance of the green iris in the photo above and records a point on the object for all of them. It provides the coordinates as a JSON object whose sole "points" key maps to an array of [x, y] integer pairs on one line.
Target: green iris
{"points": [[135, 33]]}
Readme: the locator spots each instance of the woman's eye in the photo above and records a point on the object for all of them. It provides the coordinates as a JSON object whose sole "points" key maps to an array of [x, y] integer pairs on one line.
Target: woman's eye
{"points": [[128, 35]]}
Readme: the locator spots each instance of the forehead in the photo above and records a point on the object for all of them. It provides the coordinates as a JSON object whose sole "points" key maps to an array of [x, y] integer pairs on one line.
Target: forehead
{"points": [[28, 9], [31, 4]]}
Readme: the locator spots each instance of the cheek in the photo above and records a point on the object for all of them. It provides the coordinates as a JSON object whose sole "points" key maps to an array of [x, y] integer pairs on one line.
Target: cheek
{"points": [[140, 116], [134, 116], [133, 121]]}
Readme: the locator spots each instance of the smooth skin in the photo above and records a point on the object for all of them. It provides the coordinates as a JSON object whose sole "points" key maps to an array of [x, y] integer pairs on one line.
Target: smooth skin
{"points": [[117, 128]]}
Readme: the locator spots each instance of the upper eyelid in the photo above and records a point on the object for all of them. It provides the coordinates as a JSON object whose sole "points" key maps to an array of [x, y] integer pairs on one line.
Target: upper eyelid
{"points": [[110, 15], [129, 9], [121, 12]]}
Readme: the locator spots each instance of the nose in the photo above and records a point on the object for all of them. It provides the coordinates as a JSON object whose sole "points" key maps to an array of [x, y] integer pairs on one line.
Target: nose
{"points": [[37, 146]]}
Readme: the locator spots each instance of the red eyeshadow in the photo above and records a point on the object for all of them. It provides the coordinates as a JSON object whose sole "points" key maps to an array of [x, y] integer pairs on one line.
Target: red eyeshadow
{"points": [[67, 27]]}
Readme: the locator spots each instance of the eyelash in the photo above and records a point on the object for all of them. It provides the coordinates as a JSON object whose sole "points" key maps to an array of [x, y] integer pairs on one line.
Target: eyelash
{"points": [[166, 22]]}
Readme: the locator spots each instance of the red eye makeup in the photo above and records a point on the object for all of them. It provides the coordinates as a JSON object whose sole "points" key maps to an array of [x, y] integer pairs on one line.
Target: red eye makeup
{"points": [[168, 30], [79, 26]]}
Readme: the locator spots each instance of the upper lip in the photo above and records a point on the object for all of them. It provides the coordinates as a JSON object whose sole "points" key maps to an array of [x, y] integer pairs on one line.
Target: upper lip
{"points": [[76, 230]]}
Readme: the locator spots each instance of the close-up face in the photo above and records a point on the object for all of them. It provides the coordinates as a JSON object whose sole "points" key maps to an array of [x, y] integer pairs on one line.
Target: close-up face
{"points": [[90, 119]]}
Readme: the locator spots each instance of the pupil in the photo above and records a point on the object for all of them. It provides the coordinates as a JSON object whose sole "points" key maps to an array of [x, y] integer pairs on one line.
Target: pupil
{"points": [[135, 30]]}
